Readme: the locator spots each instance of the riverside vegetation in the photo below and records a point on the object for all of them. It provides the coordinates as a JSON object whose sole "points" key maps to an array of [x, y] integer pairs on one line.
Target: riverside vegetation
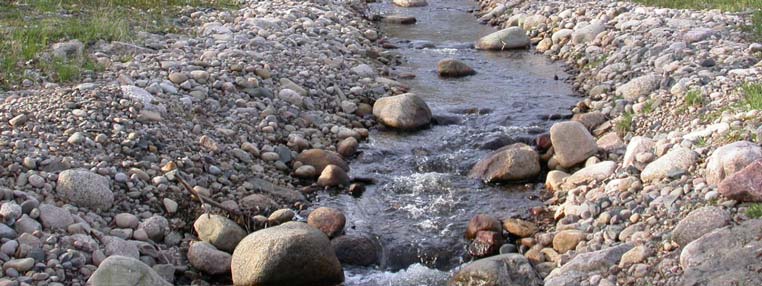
{"points": [[181, 142]]}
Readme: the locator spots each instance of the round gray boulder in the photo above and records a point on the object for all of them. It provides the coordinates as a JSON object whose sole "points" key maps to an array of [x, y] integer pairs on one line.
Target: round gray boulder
{"points": [[120, 270], [405, 111], [85, 189], [506, 39], [292, 253]]}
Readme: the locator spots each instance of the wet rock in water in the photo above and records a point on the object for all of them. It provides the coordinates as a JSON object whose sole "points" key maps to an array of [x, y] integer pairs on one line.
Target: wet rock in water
{"points": [[698, 223], [398, 19], [744, 185], [357, 250], [410, 3], [572, 143], [207, 258], [220, 231], [726, 256], [319, 159], [504, 269], [454, 68], [328, 220], [584, 265], [566, 240], [730, 159], [509, 38], [520, 228], [486, 243], [482, 222], [85, 189], [637, 87], [675, 162], [515, 162], [333, 176], [405, 111], [120, 270], [347, 147], [292, 253]]}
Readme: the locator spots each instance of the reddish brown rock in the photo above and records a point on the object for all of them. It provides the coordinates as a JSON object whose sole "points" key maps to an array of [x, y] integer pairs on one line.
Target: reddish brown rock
{"points": [[482, 223], [485, 244], [328, 220], [744, 185], [454, 68], [347, 147], [319, 159]]}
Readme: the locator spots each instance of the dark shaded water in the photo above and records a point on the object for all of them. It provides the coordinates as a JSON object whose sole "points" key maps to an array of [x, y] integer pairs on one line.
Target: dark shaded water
{"points": [[423, 200]]}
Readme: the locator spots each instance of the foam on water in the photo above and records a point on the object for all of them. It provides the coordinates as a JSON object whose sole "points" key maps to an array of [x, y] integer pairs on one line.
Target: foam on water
{"points": [[415, 275]]}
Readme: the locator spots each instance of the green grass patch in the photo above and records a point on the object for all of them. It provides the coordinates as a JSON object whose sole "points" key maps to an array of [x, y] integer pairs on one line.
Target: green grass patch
{"points": [[752, 96], [754, 29], [624, 124], [28, 28], [694, 98], [648, 106], [754, 211]]}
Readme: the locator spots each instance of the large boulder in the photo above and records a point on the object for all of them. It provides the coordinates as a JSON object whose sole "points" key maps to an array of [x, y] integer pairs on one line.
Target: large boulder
{"points": [[454, 68], [218, 230], [744, 185], [729, 159], [514, 162], [292, 253], [674, 163], [584, 265], [405, 111], [320, 158], [500, 270], [572, 143], [698, 223], [333, 176], [637, 87], [725, 256], [120, 270], [85, 189], [509, 38]]}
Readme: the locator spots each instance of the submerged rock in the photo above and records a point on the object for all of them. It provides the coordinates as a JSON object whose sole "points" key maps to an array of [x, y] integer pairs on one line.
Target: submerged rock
{"points": [[454, 68], [500, 270], [506, 39]]}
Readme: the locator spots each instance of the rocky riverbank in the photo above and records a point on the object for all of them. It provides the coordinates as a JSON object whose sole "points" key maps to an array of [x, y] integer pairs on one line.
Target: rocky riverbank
{"points": [[652, 178], [108, 181]]}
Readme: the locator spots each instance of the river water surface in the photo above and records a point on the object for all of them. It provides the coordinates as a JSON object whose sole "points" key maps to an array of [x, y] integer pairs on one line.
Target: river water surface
{"points": [[423, 199]]}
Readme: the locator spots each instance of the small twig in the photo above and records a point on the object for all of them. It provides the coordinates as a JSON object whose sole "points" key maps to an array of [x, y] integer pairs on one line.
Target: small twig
{"points": [[203, 198]]}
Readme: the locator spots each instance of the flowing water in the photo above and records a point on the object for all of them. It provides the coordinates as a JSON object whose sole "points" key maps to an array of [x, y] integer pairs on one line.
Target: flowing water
{"points": [[423, 199]]}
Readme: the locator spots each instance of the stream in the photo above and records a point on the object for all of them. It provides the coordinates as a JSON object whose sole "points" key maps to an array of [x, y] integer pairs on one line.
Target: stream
{"points": [[423, 199]]}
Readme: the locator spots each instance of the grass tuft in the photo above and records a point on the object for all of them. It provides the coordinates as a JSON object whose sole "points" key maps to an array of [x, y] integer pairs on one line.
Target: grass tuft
{"points": [[754, 29], [754, 211], [624, 124], [694, 98], [29, 27], [752, 96]]}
